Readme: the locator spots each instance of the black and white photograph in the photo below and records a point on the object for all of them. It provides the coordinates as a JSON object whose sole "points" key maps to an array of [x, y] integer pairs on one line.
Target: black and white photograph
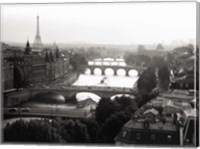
{"points": [[100, 73]]}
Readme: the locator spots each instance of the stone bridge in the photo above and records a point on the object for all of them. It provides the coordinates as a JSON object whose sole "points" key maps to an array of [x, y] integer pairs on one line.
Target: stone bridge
{"points": [[73, 90], [24, 95], [115, 68]]}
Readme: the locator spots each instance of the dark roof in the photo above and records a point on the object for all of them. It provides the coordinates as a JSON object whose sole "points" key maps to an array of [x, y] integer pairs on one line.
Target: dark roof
{"points": [[186, 79], [137, 132]]}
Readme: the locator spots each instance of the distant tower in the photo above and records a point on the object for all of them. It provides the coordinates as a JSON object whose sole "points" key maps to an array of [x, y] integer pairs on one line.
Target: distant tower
{"points": [[27, 49], [38, 42]]}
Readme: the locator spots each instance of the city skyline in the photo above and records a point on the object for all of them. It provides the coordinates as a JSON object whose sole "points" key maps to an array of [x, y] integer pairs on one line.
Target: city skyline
{"points": [[118, 74], [89, 24]]}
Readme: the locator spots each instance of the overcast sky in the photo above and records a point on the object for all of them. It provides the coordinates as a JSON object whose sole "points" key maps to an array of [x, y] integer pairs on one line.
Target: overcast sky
{"points": [[102, 23]]}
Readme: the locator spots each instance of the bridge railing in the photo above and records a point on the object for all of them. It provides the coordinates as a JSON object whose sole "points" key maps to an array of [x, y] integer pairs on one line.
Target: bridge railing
{"points": [[88, 88]]}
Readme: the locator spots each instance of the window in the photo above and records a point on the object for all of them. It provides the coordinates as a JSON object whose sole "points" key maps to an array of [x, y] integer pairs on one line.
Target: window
{"points": [[138, 136], [169, 138], [124, 134], [153, 137], [186, 85], [181, 85]]}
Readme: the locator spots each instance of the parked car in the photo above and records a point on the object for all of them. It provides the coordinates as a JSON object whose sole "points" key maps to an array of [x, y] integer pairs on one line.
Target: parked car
{"points": [[25, 109]]}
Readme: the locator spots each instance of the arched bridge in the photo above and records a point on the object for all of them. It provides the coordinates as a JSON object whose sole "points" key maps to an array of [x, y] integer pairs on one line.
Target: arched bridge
{"points": [[73, 90], [114, 64], [115, 69], [67, 92]]}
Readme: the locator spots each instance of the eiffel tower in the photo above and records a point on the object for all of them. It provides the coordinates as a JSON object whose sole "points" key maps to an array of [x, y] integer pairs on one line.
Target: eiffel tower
{"points": [[37, 45]]}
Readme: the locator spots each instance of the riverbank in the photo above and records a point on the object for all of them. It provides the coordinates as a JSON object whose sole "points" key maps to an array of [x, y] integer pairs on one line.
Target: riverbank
{"points": [[65, 80]]}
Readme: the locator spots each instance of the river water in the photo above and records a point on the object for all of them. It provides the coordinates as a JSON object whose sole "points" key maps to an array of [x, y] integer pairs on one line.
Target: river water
{"points": [[105, 81]]}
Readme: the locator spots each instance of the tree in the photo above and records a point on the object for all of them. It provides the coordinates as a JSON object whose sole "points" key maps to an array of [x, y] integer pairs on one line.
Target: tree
{"points": [[112, 115], [159, 47], [92, 127], [164, 77], [140, 48], [104, 109], [133, 59], [19, 77], [32, 131], [157, 62], [78, 62], [73, 131], [147, 81], [111, 127], [126, 104]]}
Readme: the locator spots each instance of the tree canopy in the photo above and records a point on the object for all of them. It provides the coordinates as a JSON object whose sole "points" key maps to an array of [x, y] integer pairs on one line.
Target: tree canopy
{"points": [[78, 62], [32, 131], [147, 81]]}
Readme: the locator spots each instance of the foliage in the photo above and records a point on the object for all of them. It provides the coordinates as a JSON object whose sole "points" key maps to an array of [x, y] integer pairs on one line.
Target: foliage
{"points": [[143, 99], [56, 130], [32, 131], [107, 107], [147, 81], [112, 126], [126, 104], [19, 78], [163, 71], [104, 109], [78, 62], [92, 127], [140, 48], [159, 47], [164, 77], [124, 108], [73, 131], [111, 115], [136, 59], [157, 62]]}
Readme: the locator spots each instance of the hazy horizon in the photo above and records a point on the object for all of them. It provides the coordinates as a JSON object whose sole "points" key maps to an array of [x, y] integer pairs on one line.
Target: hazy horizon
{"points": [[101, 23]]}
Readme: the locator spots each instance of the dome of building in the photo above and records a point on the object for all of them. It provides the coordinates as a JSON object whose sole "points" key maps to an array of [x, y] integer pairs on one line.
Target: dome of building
{"points": [[48, 98]]}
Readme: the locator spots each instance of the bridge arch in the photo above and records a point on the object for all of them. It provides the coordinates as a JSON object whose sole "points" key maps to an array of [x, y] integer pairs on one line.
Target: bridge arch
{"points": [[109, 71], [121, 95], [81, 96], [97, 71], [121, 72], [88, 71], [133, 73]]}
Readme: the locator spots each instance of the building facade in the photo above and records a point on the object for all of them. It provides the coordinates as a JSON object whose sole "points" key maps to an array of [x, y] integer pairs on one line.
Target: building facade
{"points": [[8, 75], [32, 67], [57, 64]]}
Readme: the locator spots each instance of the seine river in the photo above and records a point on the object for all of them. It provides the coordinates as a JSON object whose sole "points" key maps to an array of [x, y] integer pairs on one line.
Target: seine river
{"points": [[108, 80]]}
